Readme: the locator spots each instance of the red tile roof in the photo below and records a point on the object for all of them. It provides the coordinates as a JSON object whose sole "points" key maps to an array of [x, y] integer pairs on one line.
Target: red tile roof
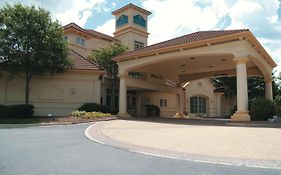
{"points": [[189, 38], [90, 32], [82, 63]]}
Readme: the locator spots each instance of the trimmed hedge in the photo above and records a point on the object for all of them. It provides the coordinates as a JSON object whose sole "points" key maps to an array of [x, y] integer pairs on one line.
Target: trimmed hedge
{"points": [[16, 111], [94, 107], [262, 109]]}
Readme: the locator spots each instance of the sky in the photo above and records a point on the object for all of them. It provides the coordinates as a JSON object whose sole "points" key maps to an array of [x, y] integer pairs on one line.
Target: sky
{"points": [[173, 18]]}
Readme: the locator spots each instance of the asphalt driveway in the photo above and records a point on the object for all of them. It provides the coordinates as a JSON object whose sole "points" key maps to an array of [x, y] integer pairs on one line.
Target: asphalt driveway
{"points": [[65, 150]]}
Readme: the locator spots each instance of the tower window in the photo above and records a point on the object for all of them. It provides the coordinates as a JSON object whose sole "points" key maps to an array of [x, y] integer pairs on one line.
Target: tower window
{"points": [[80, 41], [138, 45]]}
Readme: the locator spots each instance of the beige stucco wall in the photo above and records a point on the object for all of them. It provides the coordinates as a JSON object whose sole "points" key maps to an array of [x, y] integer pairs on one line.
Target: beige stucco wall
{"points": [[227, 104], [153, 98], [57, 95], [129, 39], [90, 44], [205, 89]]}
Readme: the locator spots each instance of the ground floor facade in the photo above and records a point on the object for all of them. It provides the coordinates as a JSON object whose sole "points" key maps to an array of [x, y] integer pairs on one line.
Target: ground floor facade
{"points": [[55, 95]]}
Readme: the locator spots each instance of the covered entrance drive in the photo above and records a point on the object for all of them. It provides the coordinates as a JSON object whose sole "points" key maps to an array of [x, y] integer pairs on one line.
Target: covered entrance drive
{"points": [[167, 66]]}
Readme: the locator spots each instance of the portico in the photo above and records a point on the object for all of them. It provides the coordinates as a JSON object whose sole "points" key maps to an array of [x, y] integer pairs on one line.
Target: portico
{"points": [[168, 65]]}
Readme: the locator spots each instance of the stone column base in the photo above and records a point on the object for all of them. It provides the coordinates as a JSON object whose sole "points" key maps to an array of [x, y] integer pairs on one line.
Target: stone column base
{"points": [[179, 115], [124, 116], [240, 117]]}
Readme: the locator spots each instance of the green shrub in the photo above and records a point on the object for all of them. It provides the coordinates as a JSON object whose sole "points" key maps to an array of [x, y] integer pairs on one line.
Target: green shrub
{"points": [[277, 102], [16, 111], [233, 110], [152, 110], [262, 109], [94, 107]]}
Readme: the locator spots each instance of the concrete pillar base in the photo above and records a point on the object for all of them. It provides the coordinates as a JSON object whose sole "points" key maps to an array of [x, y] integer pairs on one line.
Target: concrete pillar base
{"points": [[240, 117], [179, 115], [124, 116]]}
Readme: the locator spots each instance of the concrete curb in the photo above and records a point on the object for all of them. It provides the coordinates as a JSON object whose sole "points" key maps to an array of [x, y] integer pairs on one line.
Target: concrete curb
{"points": [[176, 155]]}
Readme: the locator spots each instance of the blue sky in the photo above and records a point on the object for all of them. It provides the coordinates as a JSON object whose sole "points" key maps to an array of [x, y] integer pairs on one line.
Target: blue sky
{"points": [[172, 18]]}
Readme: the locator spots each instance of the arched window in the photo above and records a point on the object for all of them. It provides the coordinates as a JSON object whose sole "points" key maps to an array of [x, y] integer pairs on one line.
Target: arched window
{"points": [[198, 104]]}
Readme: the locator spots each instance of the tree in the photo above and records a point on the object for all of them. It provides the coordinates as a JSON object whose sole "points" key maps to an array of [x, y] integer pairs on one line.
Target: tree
{"points": [[103, 57], [31, 43], [256, 86]]}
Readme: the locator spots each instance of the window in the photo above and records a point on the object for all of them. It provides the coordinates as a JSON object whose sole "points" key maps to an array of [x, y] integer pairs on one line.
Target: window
{"points": [[163, 103], [80, 41], [198, 105], [138, 45], [65, 38]]}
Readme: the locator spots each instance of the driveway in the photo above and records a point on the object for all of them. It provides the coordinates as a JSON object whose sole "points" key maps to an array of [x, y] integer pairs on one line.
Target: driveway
{"points": [[212, 142], [65, 150]]}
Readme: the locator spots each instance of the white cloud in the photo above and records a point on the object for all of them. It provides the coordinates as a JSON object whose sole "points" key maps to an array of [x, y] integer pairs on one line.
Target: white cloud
{"points": [[66, 11], [172, 18], [107, 28], [178, 17]]}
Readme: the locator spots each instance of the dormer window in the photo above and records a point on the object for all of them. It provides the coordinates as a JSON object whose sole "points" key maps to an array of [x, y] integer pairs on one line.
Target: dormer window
{"points": [[65, 38], [80, 41]]}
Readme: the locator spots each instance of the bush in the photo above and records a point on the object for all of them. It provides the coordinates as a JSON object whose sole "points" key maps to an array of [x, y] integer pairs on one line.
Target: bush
{"points": [[262, 109], [152, 110], [16, 111], [78, 113], [233, 110], [277, 102], [91, 107], [90, 115]]}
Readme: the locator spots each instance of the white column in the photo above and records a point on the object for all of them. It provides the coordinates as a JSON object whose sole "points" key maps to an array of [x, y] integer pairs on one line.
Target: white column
{"points": [[123, 98], [179, 113], [268, 90], [242, 113]]}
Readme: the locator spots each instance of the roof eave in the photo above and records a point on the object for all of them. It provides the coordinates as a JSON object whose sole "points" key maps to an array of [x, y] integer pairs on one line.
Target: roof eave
{"points": [[185, 45]]}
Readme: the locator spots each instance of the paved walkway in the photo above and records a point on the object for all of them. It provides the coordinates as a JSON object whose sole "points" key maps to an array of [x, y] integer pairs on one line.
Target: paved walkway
{"points": [[250, 146]]}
